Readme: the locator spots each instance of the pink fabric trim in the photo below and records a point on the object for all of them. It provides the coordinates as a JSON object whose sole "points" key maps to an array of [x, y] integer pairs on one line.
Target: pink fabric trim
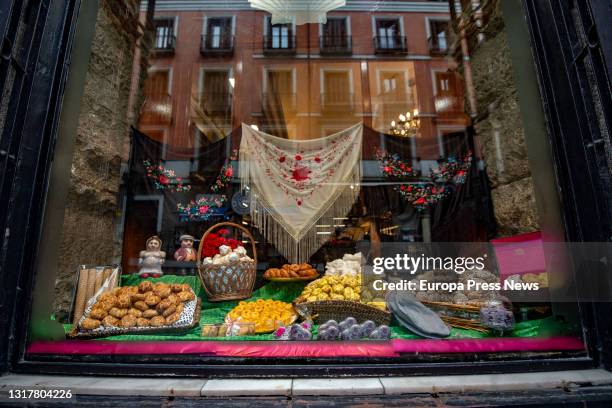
{"points": [[306, 349], [487, 345]]}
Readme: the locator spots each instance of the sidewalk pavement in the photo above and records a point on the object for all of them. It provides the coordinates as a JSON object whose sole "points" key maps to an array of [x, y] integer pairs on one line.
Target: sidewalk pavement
{"points": [[189, 387]]}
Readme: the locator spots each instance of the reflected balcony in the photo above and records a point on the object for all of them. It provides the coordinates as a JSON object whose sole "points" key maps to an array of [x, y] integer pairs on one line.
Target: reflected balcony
{"points": [[164, 44], [335, 45], [437, 48], [392, 44], [279, 45], [221, 45]]}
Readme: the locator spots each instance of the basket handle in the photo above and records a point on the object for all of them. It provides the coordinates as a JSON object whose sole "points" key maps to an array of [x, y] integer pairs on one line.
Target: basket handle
{"points": [[227, 224]]}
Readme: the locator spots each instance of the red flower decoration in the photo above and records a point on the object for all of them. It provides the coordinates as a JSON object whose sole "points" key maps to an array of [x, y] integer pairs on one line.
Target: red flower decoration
{"points": [[387, 169], [298, 157], [300, 173], [213, 241], [419, 200], [163, 179], [317, 159], [229, 172], [203, 209], [281, 159]]}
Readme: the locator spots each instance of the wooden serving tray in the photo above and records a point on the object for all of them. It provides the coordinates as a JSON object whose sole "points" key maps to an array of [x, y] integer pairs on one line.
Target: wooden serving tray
{"points": [[298, 279]]}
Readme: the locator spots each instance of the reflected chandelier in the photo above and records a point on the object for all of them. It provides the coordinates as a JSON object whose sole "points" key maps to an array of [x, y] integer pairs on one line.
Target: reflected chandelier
{"points": [[407, 125], [303, 11]]}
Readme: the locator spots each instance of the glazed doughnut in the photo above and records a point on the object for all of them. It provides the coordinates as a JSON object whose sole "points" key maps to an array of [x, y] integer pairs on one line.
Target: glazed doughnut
{"points": [[90, 324], [163, 291], [141, 305], [128, 321], [145, 286], [110, 321], [118, 313], [135, 312], [157, 321], [137, 297], [168, 311], [186, 296], [98, 313], [149, 313], [152, 300], [173, 318], [124, 301]]}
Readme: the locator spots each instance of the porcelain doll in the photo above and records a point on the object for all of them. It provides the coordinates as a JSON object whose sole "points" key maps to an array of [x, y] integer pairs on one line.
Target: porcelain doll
{"points": [[151, 259], [185, 253]]}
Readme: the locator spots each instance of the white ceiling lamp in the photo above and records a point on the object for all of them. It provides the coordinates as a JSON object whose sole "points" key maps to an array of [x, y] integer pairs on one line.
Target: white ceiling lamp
{"points": [[303, 11]]}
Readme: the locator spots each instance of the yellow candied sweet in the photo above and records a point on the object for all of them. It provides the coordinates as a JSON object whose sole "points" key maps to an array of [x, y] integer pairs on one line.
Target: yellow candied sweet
{"points": [[333, 287], [263, 313]]}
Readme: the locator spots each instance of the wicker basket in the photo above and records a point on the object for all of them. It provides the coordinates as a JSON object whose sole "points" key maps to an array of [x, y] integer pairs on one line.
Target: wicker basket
{"points": [[228, 282], [323, 310], [465, 316]]}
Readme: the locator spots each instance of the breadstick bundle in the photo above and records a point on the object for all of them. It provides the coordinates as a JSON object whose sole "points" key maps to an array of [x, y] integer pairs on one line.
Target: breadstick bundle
{"points": [[92, 280]]}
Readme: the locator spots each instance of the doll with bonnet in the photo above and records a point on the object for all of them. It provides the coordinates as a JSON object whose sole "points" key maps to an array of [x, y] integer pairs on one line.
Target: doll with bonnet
{"points": [[151, 259]]}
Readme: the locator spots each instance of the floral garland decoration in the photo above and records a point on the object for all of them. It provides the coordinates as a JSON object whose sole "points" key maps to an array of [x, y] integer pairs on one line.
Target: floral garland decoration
{"points": [[452, 170], [226, 173], [393, 167], [424, 194], [165, 179], [202, 208]]}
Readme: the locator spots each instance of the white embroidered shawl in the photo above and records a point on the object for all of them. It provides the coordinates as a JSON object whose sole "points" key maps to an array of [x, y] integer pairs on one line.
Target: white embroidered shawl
{"points": [[297, 184]]}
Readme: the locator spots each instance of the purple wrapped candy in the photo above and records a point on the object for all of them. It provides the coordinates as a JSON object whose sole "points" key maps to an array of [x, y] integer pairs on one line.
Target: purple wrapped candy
{"points": [[333, 331], [356, 331], [346, 323], [327, 335], [328, 324], [496, 316], [303, 335], [384, 331], [293, 329], [297, 332], [346, 335], [375, 335], [368, 327], [307, 325]]}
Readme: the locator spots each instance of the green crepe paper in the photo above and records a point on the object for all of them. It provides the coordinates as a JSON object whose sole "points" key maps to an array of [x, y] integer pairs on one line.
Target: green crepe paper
{"points": [[215, 312]]}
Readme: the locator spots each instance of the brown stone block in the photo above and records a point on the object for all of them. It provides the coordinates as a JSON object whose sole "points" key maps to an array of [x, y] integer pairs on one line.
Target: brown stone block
{"points": [[502, 140], [515, 208]]}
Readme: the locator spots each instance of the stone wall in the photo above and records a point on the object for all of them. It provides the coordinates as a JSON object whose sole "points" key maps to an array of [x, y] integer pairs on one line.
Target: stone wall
{"points": [[90, 233], [497, 122]]}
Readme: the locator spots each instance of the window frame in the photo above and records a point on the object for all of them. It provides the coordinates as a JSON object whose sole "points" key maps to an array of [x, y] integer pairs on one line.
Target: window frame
{"points": [[232, 33], [19, 270], [175, 21]]}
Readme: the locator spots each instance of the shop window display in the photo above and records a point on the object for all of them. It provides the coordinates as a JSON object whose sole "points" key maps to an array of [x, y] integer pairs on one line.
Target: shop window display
{"points": [[302, 198]]}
